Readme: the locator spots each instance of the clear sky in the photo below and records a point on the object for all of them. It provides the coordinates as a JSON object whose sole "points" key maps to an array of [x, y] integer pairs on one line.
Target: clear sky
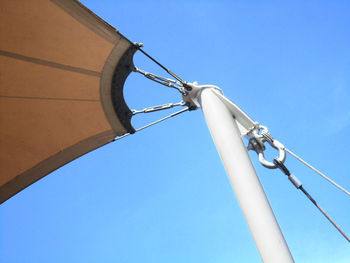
{"points": [[162, 195]]}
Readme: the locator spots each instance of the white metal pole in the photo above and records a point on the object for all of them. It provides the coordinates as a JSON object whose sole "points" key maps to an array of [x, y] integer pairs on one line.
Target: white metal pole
{"points": [[245, 182]]}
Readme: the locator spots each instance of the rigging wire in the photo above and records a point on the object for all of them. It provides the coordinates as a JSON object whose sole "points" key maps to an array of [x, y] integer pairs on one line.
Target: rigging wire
{"points": [[179, 84], [299, 185], [277, 162], [324, 213], [256, 143], [159, 64], [148, 125], [317, 171], [267, 137]]}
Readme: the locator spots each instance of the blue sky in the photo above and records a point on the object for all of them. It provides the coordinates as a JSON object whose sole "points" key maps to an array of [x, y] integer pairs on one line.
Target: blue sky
{"points": [[162, 195]]}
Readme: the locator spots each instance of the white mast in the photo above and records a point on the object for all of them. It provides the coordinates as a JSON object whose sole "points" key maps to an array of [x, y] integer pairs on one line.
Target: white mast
{"points": [[227, 123], [246, 185]]}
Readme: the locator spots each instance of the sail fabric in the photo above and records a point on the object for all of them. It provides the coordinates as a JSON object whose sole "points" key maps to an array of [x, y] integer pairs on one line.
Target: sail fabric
{"points": [[62, 71]]}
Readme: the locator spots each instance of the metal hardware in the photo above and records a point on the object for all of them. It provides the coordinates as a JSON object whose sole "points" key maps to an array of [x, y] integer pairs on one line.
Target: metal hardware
{"points": [[256, 143], [192, 93], [294, 180], [158, 108], [164, 81]]}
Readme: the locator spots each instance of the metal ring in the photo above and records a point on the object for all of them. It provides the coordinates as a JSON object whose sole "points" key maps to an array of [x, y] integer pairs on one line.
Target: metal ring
{"points": [[282, 154]]}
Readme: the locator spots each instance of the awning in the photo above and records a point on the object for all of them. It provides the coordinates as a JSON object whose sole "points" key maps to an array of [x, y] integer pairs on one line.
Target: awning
{"points": [[62, 71]]}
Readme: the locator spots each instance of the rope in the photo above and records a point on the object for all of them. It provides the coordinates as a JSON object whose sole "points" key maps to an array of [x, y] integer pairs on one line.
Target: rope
{"points": [[317, 171], [148, 125]]}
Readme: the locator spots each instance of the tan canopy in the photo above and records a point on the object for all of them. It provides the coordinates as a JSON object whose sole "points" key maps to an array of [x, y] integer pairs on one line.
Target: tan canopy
{"points": [[62, 71]]}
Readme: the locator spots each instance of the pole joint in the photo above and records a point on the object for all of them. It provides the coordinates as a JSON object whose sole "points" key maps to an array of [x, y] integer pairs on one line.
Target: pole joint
{"points": [[192, 94]]}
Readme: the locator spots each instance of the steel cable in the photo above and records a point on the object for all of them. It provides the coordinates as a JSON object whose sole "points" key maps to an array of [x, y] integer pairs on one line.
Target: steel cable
{"points": [[317, 171], [148, 125], [295, 181]]}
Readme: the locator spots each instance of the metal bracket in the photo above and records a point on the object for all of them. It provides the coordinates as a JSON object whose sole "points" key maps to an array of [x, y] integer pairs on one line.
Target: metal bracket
{"points": [[191, 95], [245, 124]]}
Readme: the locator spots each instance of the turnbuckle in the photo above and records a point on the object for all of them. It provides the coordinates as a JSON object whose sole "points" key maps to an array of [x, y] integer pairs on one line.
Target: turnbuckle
{"points": [[164, 81], [158, 108]]}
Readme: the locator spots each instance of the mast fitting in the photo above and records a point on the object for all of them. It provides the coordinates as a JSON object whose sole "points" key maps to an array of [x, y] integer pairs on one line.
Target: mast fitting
{"points": [[256, 143]]}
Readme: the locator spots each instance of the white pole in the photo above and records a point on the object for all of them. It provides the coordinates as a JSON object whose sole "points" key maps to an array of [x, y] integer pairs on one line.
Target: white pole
{"points": [[246, 185]]}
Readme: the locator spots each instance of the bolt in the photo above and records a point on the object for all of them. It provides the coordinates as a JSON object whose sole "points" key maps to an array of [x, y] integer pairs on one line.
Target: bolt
{"points": [[187, 87]]}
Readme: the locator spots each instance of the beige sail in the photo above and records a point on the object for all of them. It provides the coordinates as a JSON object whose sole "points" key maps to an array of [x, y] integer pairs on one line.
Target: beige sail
{"points": [[62, 71]]}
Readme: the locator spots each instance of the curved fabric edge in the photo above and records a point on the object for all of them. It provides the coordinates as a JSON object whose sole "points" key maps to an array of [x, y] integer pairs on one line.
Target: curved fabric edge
{"points": [[52, 163], [117, 59], [115, 72], [89, 19]]}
